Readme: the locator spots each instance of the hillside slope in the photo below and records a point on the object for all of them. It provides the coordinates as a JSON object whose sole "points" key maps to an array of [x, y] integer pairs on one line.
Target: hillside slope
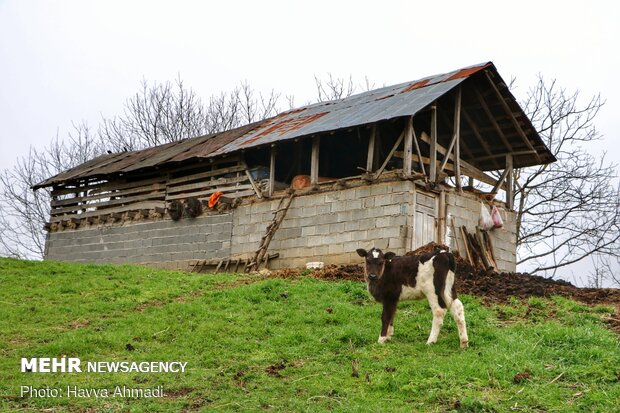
{"points": [[292, 345]]}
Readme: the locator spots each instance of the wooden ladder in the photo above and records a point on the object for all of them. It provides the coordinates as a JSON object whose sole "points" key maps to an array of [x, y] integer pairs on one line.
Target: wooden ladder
{"points": [[279, 215]]}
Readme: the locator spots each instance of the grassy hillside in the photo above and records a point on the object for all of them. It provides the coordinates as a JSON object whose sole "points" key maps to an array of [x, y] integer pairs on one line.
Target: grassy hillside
{"points": [[255, 344]]}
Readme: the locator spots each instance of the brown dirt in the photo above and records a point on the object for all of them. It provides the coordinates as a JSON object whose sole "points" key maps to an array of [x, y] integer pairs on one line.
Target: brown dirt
{"points": [[490, 286]]}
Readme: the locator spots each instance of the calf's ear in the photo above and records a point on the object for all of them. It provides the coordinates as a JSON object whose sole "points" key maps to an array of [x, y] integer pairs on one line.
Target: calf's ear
{"points": [[389, 255], [361, 252]]}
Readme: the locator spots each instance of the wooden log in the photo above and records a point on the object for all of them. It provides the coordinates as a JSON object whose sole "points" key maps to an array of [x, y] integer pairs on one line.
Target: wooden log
{"points": [[370, 158], [457, 145], [433, 145], [466, 245], [408, 147], [489, 246], [510, 196], [272, 170], [483, 250], [219, 265], [314, 161], [456, 236]]}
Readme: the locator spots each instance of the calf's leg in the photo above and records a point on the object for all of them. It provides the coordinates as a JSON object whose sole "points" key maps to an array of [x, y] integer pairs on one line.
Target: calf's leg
{"points": [[387, 317], [438, 315], [458, 313], [390, 331]]}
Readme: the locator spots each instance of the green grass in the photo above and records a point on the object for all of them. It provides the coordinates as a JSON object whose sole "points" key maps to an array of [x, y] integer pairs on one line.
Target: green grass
{"points": [[256, 344]]}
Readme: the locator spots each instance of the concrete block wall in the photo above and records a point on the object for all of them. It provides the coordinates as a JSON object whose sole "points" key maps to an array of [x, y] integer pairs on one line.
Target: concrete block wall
{"points": [[163, 243], [330, 226], [465, 208], [327, 226]]}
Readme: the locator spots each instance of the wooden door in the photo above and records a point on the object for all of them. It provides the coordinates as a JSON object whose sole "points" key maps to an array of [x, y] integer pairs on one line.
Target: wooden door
{"points": [[425, 220]]}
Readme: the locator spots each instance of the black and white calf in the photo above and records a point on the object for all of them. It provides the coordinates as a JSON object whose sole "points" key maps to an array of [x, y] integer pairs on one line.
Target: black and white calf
{"points": [[391, 279]]}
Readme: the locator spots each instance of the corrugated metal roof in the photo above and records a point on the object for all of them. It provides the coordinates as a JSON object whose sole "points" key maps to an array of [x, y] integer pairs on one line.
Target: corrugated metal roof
{"points": [[390, 102]]}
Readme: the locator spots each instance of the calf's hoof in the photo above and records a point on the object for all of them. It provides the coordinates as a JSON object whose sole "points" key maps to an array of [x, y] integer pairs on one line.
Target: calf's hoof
{"points": [[430, 343], [383, 339], [464, 344]]}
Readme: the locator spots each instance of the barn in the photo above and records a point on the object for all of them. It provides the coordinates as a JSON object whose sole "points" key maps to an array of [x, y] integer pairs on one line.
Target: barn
{"points": [[394, 168]]}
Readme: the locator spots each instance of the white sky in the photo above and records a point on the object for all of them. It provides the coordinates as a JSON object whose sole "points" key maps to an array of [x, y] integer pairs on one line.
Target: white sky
{"points": [[64, 61]]}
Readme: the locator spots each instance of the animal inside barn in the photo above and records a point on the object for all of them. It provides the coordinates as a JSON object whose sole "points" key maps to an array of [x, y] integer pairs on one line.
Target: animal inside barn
{"points": [[392, 168]]}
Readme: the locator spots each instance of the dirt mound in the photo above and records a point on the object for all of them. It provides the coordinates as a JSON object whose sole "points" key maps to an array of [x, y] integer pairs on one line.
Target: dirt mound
{"points": [[490, 286]]}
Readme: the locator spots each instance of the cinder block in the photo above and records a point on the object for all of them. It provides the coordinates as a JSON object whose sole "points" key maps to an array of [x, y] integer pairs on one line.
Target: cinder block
{"points": [[353, 204], [308, 211], [362, 192], [335, 249], [359, 215], [368, 202], [379, 189], [392, 209], [314, 240], [307, 231], [366, 224], [323, 209], [334, 196], [351, 226], [336, 228]]}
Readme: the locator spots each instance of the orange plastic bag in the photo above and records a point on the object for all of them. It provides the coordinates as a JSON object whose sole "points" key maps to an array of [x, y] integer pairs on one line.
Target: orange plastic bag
{"points": [[214, 199]]}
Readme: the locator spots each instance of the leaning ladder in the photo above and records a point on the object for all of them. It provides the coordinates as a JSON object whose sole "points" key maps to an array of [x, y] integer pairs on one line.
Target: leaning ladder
{"points": [[279, 215]]}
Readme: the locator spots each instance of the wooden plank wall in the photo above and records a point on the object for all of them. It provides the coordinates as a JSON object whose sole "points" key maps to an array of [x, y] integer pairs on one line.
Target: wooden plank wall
{"points": [[97, 198]]}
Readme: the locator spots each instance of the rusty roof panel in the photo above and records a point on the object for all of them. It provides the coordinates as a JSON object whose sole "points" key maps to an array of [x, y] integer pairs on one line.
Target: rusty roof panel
{"points": [[405, 99]]}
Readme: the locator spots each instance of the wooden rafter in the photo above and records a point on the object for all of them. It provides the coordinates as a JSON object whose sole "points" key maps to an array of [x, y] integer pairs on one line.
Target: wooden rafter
{"points": [[492, 119], [512, 116], [476, 131], [467, 168]]}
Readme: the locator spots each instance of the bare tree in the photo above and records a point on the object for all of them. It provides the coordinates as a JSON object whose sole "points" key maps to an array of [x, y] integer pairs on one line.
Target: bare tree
{"points": [[333, 88], [568, 210], [23, 212], [156, 114]]}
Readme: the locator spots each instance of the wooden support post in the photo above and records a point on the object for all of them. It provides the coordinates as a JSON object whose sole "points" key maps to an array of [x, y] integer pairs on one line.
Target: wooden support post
{"points": [[509, 183], [371, 149], [433, 150], [499, 181], [417, 149], [408, 147], [441, 219], [457, 144], [398, 141], [314, 164], [272, 170]]}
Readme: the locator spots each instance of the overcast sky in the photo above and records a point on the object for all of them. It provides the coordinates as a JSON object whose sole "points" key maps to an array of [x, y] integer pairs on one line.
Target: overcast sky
{"points": [[64, 61]]}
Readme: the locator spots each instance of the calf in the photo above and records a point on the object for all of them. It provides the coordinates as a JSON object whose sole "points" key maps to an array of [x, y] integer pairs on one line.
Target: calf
{"points": [[391, 278]]}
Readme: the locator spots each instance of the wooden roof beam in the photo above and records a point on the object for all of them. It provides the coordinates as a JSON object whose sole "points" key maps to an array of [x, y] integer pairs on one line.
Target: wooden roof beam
{"points": [[512, 116], [492, 119]]}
